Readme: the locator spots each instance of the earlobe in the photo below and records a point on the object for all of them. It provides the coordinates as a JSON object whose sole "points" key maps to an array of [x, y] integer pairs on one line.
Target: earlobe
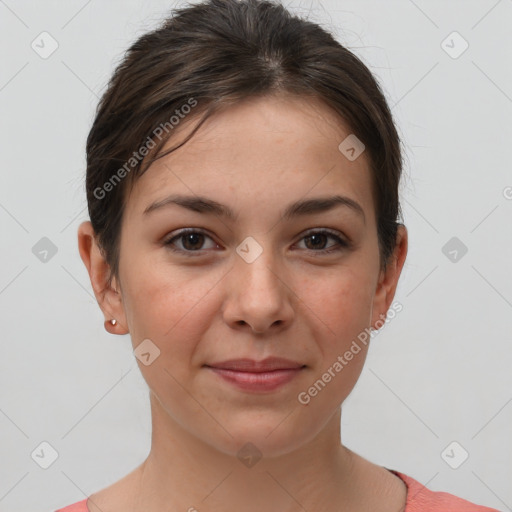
{"points": [[113, 327], [109, 298]]}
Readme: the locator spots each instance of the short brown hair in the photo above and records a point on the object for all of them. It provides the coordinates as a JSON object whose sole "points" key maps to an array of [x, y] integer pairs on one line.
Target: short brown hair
{"points": [[211, 55]]}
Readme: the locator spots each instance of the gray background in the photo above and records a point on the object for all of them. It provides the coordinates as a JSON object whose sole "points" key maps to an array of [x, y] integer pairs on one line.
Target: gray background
{"points": [[438, 372]]}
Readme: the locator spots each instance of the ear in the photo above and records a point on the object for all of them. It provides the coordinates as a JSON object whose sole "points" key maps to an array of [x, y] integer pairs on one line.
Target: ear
{"points": [[109, 297], [388, 280]]}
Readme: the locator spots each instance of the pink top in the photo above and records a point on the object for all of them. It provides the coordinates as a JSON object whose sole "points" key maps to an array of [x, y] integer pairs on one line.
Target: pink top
{"points": [[419, 499]]}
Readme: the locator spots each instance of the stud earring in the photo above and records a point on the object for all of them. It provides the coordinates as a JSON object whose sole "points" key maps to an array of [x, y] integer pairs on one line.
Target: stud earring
{"points": [[109, 323]]}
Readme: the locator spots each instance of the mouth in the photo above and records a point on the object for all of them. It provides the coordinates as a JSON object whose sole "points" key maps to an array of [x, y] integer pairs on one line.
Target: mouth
{"points": [[257, 376]]}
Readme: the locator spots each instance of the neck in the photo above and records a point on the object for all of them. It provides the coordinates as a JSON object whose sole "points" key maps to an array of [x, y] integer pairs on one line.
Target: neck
{"points": [[183, 472]]}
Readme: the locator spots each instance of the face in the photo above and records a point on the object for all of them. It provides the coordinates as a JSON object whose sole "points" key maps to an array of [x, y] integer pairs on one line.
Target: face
{"points": [[256, 284]]}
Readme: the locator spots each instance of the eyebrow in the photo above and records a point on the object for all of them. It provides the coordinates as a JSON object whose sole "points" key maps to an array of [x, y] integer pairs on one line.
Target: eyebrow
{"points": [[201, 204]]}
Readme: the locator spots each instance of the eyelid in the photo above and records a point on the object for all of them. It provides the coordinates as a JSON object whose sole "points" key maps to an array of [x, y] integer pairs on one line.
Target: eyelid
{"points": [[343, 243], [329, 231], [182, 232]]}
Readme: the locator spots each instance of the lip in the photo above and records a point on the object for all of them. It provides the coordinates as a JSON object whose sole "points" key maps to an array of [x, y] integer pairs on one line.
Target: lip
{"points": [[257, 376], [250, 365]]}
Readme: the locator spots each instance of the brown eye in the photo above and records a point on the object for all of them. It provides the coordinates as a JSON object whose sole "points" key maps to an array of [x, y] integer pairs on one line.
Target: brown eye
{"points": [[317, 241], [191, 240]]}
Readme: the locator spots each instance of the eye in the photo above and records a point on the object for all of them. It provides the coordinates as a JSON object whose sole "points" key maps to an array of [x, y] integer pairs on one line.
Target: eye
{"points": [[318, 241], [191, 239]]}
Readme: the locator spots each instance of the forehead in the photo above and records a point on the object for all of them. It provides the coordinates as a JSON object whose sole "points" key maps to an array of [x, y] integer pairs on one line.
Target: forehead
{"points": [[275, 148]]}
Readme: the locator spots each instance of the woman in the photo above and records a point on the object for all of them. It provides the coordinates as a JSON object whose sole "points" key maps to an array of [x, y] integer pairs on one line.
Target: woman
{"points": [[242, 182]]}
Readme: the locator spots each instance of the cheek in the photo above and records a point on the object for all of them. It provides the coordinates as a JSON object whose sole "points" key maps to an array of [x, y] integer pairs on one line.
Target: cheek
{"points": [[170, 311], [170, 306], [341, 300], [340, 305]]}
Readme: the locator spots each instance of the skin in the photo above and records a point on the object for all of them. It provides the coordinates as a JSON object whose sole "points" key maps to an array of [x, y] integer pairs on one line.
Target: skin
{"points": [[255, 157]]}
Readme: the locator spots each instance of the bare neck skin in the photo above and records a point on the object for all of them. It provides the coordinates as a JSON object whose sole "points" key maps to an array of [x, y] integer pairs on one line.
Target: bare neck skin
{"points": [[317, 474], [321, 476]]}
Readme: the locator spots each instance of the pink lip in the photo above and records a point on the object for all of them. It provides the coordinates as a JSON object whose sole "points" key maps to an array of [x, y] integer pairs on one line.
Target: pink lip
{"points": [[250, 375], [249, 365]]}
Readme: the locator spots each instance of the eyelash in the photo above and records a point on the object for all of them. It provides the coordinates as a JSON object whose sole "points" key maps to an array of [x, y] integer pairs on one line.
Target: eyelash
{"points": [[341, 244]]}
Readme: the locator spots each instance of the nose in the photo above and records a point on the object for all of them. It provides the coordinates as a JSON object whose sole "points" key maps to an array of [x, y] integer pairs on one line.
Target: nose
{"points": [[258, 296]]}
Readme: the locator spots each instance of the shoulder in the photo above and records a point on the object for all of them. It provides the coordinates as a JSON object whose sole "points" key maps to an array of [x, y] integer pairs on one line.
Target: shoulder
{"points": [[117, 496], [421, 499], [79, 506]]}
